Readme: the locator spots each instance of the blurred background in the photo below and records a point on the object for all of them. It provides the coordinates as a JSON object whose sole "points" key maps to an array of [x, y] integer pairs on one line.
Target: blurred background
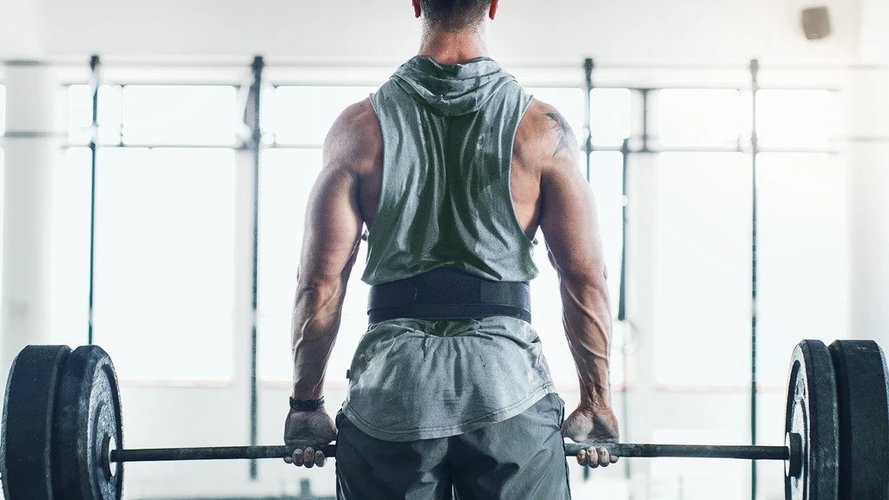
{"points": [[145, 150]]}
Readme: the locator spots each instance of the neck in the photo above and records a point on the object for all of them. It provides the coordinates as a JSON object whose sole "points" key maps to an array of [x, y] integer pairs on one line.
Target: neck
{"points": [[454, 47]]}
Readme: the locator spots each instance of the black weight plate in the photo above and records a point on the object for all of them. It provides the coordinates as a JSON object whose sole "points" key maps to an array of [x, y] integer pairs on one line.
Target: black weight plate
{"points": [[812, 414], [88, 424], [28, 415], [864, 419]]}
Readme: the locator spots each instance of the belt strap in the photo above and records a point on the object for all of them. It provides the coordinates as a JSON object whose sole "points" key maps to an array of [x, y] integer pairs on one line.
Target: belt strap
{"points": [[448, 294]]}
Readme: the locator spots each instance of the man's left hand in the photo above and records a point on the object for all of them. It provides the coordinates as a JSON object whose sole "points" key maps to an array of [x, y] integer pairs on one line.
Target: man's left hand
{"points": [[593, 425]]}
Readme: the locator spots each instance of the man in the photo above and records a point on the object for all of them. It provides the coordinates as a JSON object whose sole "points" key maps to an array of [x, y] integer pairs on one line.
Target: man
{"points": [[452, 168]]}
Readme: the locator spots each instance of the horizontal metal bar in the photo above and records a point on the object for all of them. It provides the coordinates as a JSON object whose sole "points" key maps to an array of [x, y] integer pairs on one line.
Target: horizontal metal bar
{"points": [[24, 63], [329, 82], [535, 63], [216, 453], [628, 450], [596, 149], [117, 145], [78, 62], [624, 450], [33, 134], [715, 86], [716, 149]]}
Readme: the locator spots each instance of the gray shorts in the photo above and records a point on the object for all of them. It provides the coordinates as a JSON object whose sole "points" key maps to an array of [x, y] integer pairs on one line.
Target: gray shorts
{"points": [[521, 457]]}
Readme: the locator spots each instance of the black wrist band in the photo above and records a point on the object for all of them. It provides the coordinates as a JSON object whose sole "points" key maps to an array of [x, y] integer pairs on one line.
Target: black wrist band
{"points": [[306, 404]]}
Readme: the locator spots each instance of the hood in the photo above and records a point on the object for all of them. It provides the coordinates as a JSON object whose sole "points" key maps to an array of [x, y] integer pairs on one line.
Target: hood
{"points": [[451, 89]]}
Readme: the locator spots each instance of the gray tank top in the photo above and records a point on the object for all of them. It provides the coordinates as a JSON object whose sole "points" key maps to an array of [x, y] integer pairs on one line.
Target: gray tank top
{"points": [[448, 133]]}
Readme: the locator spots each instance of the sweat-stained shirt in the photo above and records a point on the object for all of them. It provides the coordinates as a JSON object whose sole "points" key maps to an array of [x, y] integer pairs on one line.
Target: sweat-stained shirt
{"points": [[448, 133]]}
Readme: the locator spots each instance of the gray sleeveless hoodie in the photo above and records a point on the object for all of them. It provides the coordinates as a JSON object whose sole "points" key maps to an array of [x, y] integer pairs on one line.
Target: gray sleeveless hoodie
{"points": [[448, 133]]}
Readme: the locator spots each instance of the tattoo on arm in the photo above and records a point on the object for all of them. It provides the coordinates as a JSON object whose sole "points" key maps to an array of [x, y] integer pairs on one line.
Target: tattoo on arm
{"points": [[566, 136]]}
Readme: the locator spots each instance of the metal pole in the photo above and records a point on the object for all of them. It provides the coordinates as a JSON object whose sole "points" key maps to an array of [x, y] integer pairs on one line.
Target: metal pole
{"points": [[252, 453], [252, 119], [624, 450], [94, 146], [588, 66], [622, 288], [754, 153], [646, 103], [625, 197]]}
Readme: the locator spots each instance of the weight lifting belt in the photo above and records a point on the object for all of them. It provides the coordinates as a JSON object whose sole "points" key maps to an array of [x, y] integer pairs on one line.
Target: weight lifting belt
{"points": [[448, 294]]}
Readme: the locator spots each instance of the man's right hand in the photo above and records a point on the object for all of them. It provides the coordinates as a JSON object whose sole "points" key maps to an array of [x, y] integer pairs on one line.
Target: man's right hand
{"points": [[593, 425], [308, 431]]}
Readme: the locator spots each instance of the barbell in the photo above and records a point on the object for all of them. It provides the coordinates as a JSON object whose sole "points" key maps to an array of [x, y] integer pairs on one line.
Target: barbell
{"points": [[62, 437]]}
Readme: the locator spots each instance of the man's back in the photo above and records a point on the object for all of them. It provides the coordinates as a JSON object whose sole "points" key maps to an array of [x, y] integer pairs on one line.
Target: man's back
{"points": [[544, 144]]}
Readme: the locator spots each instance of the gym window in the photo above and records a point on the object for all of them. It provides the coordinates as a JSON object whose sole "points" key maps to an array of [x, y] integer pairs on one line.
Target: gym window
{"points": [[302, 115], [611, 118], [702, 269], [702, 226], [798, 118], [700, 117], [165, 230], [152, 115], [165, 262], [803, 256]]}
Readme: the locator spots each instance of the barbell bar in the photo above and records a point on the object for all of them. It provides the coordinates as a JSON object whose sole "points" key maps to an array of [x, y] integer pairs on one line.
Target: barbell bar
{"points": [[62, 437], [623, 450]]}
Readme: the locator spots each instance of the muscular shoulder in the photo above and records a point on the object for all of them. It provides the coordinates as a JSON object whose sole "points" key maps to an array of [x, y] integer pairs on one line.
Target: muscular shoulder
{"points": [[355, 140], [544, 138]]}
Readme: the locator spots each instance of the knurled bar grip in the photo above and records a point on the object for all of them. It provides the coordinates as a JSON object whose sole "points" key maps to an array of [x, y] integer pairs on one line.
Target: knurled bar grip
{"points": [[686, 451], [622, 450]]}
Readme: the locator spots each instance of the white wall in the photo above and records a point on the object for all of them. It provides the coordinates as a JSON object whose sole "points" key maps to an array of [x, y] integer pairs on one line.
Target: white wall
{"points": [[869, 179], [527, 30], [21, 29], [869, 204], [874, 35]]}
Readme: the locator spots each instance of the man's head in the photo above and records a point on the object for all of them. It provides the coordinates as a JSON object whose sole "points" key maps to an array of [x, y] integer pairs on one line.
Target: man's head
{"points": [[454, 15]]}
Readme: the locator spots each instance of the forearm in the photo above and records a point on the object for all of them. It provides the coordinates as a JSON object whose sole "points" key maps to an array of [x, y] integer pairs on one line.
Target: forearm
{"points": [[316, 319], [587, 320]]}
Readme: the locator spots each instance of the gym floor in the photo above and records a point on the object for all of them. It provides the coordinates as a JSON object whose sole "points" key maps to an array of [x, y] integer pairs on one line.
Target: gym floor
{"points": [[738, 162]]}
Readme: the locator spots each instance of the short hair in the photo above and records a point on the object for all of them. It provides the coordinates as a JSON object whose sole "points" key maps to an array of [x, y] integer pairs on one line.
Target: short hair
{"points": [[453, 15]]}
